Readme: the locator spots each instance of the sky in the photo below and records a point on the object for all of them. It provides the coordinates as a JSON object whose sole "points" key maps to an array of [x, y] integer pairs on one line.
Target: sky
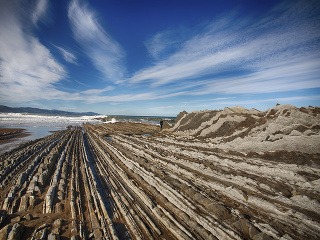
{"points": [[159, 57]]}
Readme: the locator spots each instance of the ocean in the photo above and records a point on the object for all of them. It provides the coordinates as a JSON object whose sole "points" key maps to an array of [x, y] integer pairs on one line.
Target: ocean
{"points": [[38, 126]]}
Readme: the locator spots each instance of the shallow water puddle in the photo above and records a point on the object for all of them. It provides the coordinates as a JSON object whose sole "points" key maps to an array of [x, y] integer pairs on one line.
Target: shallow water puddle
{"points": [[108, 138]]}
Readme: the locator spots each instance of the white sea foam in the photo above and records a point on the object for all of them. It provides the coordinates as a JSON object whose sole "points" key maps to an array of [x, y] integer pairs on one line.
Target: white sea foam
{"points": [[39, 126], [18, 119]]}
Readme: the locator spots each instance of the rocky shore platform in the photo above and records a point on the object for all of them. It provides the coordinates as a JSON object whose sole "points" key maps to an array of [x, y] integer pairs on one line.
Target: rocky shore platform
{"points": [[228, 174], [10, 134]]}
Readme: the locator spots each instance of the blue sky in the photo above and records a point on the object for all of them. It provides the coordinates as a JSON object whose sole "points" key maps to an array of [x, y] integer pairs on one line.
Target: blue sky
{"points": [[159, 57]]}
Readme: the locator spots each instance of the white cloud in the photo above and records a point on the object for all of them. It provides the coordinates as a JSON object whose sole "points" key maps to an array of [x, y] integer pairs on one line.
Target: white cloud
{"points": [[260, 103], [28, 69], [39, 12], [162, 43], [97, 91], [67, 55], [183, 69], [105, 53], [289, 76], [156, 45], [278, 52], [282, 100]]}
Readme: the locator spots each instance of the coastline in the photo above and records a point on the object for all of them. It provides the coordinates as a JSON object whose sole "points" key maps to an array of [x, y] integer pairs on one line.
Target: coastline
{"points": [[187, 179]]}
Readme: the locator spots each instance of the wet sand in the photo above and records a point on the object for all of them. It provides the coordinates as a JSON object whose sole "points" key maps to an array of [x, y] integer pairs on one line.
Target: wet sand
{"points": [[11, 134]]}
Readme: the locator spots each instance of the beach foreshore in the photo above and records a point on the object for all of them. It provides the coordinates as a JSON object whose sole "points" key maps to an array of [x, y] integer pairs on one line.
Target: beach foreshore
{"points": [[11, 134], [187, 182]]}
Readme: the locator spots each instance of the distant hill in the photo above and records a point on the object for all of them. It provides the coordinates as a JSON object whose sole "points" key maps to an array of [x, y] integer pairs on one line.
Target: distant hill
{"points": [[5, 109]]}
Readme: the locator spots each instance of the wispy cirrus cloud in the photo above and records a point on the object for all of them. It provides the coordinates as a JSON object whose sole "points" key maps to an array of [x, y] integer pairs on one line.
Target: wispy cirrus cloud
{"points": [[273, 100], [261, 103], [216, 62], [277, 52], [98, 90], [163, 43], [67, 55], [39, 11], [281, 78], [105, 53], [28, 69]]}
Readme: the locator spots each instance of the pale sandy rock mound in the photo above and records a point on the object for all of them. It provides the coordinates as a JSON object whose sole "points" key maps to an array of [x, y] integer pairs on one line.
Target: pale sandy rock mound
{"points": [[284, 127], [179, 118], [214, 123]]}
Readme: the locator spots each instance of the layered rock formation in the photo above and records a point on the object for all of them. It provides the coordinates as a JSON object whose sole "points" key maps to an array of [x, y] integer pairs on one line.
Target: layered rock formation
{"points": [[194, 181], [283, 127]]}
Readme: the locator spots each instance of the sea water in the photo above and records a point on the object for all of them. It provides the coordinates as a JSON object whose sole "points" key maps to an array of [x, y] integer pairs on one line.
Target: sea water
{"points": [[38, 126]]}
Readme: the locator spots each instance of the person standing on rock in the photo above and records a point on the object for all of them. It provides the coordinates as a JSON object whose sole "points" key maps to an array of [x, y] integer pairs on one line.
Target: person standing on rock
{"points": [[161, 123]]}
